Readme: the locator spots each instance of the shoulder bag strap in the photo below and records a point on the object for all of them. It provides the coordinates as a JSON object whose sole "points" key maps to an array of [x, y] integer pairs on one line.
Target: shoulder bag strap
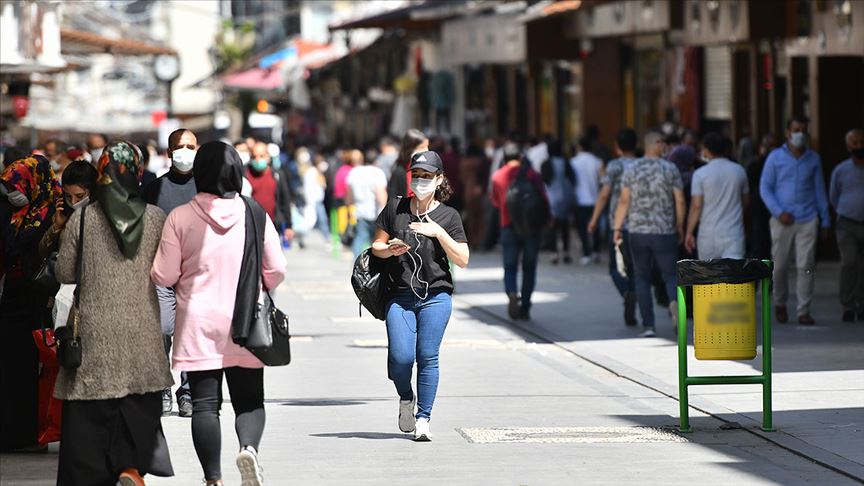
{"points": [[259, 240], [79, 269]]}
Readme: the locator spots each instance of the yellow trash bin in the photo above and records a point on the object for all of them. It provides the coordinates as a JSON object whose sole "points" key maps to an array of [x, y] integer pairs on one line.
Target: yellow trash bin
{"points": [[724, 321]]}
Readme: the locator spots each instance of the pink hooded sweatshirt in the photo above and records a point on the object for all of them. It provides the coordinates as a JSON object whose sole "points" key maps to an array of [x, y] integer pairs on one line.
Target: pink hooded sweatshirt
{"points": [[200, 256]]}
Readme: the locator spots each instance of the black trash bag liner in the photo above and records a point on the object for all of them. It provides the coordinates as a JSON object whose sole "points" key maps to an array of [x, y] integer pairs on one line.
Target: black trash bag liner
{"points": [[369, 280], [722, 270]]}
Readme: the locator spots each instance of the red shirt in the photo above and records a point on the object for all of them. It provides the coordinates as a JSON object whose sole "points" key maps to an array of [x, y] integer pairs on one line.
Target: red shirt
{"points": [[502, 180], [264, 190]]}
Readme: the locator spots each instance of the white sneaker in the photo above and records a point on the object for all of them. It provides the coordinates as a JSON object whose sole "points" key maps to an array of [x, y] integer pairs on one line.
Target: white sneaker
{"points": [[585, 260], [422, 433], [250, 470], [406, 415]]}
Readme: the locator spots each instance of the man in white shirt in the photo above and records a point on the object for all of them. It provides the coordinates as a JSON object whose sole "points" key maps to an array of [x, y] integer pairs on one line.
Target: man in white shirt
{"points": [[588, 168], [367, 191], [719, 194]]}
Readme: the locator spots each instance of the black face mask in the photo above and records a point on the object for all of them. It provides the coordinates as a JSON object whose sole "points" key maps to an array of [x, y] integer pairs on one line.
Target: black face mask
{"points": [[858, 153]]}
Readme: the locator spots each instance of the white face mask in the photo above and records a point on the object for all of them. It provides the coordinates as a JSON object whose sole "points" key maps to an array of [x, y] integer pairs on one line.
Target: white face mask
{"points": [[94, 155], [80, 204], [244, 157], [423, 188], [798, 140], [183, 159], [17, 199], [55, 166]]}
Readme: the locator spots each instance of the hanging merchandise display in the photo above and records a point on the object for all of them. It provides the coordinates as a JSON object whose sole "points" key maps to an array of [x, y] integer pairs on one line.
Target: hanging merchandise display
{"points": [[405, 108], [442, 94]]}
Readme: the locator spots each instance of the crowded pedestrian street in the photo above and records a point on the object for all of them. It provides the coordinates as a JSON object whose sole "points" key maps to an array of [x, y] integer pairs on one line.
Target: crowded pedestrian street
{"points": [[567, 399]]}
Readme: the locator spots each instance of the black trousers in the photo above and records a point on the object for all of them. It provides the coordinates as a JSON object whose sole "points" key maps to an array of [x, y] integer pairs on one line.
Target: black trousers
{"points": [[21, 313], [246, 386]]}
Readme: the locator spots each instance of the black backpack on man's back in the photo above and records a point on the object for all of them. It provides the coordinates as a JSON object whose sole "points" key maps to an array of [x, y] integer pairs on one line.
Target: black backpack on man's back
{"points": [[528, 207]]}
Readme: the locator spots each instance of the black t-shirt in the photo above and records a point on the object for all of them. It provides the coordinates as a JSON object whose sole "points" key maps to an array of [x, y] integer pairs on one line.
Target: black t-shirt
{"points": [[395, 219]]}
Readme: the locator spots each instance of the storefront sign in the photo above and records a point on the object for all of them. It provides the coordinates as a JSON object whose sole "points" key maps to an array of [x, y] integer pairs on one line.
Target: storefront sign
{"points": [[621, 18], [497, 39], [716, 22]]}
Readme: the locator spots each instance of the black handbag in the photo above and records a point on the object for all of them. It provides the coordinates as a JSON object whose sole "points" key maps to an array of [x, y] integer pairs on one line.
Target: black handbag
{"points": [[269, 338], [68, 341], [44, 280]]}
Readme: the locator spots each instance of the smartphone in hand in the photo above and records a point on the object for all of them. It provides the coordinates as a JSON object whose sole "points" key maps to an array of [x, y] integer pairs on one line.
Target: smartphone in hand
{"points": [[398, 242]]}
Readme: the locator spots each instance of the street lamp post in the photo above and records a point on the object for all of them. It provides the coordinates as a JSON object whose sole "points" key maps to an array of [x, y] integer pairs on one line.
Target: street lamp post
{"points": [[167, 69]]}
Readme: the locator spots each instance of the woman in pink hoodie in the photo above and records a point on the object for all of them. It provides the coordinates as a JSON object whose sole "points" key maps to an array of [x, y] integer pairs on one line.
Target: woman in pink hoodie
{"points": [[200, 257]]}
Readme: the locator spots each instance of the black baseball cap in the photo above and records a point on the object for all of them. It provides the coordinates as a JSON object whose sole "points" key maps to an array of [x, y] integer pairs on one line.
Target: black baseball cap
{"points": [[428, 161]]}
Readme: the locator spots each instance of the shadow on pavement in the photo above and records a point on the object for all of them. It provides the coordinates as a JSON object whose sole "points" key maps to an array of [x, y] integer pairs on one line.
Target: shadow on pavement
{"points": [[318, 403], [364, 435]]}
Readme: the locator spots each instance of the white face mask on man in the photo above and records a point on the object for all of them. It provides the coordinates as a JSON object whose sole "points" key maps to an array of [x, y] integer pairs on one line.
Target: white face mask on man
{"points": [[183, 159], [798, 140]]}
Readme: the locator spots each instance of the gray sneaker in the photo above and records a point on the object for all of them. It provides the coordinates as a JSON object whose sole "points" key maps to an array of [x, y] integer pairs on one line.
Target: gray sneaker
{"points": [[406, 415], [167, 401], [648, 332]]}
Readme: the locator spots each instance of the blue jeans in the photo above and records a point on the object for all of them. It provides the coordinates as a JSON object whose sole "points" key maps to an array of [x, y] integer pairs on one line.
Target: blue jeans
{"points": [[622, 283], [167, 314], [321, 221], [365, 230], [512, 247], [663, 249], [415, 329]]}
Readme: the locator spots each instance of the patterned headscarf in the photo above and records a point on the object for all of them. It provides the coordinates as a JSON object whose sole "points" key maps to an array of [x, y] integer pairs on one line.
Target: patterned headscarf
{"points": [[120, 172], [33, 177]]}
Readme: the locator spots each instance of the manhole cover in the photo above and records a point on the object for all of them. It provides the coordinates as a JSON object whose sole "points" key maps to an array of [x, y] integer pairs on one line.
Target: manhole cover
{"points": [[565, 435]]}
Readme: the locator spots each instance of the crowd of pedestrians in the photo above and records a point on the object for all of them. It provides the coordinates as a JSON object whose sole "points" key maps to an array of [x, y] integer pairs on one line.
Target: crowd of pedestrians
{"points": [[149, 244]]}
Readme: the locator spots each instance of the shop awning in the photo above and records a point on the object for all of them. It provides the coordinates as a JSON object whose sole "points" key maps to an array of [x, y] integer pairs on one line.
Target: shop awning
{"points": [[271, 72], [549, 8], [257, 78], [423, 16], [80, 42]]}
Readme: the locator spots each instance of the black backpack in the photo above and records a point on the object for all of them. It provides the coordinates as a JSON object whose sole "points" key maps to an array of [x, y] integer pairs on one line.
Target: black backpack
{"points": [[369, 280], [528, 207]]}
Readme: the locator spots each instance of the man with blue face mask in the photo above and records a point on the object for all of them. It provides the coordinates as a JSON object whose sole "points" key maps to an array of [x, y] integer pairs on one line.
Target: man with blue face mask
{"points": [[175, 188], [793, 190]]}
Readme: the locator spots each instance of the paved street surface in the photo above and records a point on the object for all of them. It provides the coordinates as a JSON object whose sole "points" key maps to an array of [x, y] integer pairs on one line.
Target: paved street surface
{"points": [[571, 398]]}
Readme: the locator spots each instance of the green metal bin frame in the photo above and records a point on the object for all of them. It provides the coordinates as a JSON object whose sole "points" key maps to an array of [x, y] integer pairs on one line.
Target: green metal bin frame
{"points": [[685, 381]]}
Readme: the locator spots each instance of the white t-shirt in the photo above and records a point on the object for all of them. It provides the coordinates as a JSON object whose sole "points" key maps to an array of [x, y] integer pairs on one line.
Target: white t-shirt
{"points": [[312, 190], [587, 168], [365, 181]]}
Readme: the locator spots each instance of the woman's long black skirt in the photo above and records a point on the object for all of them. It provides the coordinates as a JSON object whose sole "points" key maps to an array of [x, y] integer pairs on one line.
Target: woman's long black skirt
{"points": [[101, 438]]}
